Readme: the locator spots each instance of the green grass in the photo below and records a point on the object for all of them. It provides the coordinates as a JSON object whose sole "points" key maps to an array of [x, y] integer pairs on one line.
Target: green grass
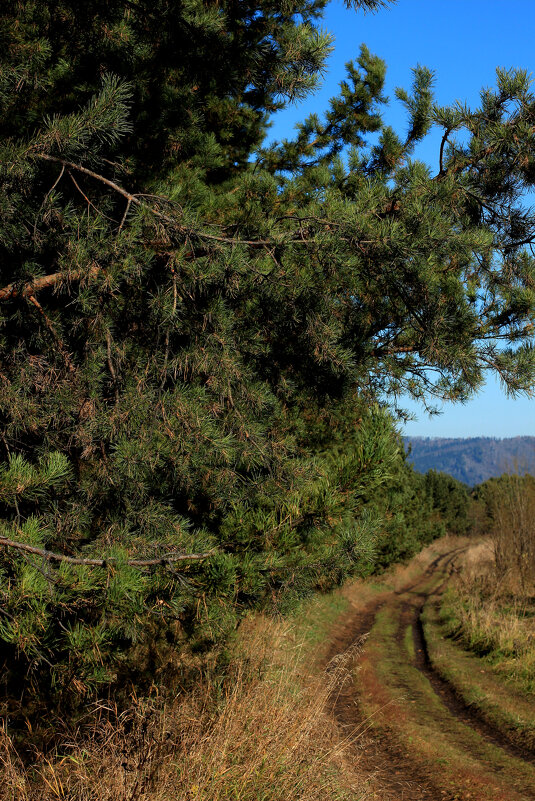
{"points": [[314, 618]]}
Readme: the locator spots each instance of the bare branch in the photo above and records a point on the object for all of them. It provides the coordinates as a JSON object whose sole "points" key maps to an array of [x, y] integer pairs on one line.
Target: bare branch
{"points": [[72, 166], [135, 199], [442, 145], [51, 556], [125, 215], [16, 290], [88, 201]]}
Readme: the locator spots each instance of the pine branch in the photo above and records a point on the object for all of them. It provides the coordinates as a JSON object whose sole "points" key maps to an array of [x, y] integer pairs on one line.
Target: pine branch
{"points": [[134, 198], [466, 162], [73, 560]]}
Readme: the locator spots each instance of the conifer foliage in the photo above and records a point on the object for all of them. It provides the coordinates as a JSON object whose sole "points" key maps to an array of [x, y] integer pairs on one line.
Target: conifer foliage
{"points": [[196, 327]]}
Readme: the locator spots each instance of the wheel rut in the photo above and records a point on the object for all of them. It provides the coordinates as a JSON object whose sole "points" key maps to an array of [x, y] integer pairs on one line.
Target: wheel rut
{"points": [[456, 705], [490, 766]]}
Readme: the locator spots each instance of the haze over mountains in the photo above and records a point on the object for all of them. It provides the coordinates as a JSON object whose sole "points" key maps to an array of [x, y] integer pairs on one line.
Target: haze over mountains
{"points": [[472, 460]]}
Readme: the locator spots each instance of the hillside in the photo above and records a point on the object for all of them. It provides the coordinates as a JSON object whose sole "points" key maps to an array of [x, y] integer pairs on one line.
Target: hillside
{"points": [[472, 460]]}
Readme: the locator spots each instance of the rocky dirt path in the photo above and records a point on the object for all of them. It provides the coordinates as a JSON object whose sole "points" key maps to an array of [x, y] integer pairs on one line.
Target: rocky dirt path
{"points": [[415, 734]]}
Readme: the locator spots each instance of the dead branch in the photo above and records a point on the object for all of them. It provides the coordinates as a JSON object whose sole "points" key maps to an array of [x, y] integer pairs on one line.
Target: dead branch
{"points": [[88, 201], [17, 290], [394, 350], [51, 556]]}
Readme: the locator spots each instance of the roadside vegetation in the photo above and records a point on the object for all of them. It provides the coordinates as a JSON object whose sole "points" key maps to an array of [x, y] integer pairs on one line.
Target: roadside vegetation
{"points": [[251, 721], [260, 730], [490, 605], [505, 706]]}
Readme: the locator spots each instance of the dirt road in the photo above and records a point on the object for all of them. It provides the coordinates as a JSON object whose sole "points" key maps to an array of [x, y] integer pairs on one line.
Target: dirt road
{"points": [[416, 735]]}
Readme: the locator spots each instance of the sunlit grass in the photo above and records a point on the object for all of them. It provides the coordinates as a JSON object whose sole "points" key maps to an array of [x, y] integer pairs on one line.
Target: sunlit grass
{"points": [[263, 734], [494, 619]]}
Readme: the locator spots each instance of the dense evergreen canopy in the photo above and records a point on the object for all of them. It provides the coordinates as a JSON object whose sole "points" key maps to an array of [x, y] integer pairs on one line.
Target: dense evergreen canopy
{"points": [[198, 329]]}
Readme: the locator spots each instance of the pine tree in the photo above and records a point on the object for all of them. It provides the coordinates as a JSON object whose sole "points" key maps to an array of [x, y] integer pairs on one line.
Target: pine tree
{"points": [[197, 330]]}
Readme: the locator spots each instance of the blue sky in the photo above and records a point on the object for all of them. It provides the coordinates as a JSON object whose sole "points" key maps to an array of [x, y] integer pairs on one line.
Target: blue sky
{"points": [[462, 41]]}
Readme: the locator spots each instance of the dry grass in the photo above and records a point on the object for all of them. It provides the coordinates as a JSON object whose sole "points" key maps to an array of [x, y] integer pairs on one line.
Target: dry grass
{"points": [[263, 735], [493, 614]]}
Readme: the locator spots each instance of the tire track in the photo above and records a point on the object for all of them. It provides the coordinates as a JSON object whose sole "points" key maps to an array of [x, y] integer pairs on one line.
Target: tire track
{"points": [[399, 772], [455, 704]]}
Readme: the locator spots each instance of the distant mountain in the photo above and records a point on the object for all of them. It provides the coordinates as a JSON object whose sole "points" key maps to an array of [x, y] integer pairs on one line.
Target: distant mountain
{"points": [[472, 460]]}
